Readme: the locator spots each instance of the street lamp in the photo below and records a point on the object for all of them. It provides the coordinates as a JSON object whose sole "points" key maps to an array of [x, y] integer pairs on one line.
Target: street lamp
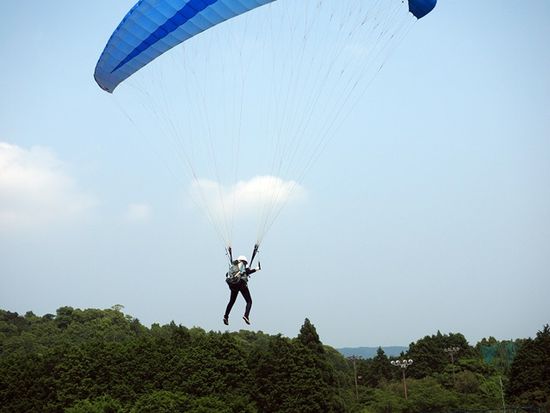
{"points": [[403, 364], [452, 351]]}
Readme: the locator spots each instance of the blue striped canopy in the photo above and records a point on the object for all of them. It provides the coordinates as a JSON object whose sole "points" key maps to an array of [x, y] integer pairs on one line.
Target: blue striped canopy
{"points": [[152, 27]]}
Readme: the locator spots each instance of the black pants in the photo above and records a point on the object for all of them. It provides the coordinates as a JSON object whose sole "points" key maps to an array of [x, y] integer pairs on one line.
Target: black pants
{"points": [[235, 289]]}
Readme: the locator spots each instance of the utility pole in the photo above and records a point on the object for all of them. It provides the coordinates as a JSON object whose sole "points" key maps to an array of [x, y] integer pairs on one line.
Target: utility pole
{"points": [[403, 364], [502, 394], [452, 351], [354, 359]]}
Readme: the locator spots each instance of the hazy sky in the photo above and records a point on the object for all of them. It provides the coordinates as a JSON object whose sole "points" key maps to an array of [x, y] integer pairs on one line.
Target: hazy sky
{"points": [[428, 210]]}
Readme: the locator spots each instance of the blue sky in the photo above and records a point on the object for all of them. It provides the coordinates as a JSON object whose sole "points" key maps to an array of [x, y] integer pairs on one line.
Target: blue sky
{"points": [[428, 210]]}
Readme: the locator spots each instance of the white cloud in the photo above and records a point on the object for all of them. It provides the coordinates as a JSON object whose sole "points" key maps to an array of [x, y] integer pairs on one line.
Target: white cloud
{"points": [[138, 212], [35, 190], [261, 194]]}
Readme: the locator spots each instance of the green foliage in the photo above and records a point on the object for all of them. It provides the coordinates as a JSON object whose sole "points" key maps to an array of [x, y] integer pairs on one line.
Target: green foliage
{"points": [[104, 404], [428, 395], [73, 360], [375, 371], [384, 400], [291, 376], [162, 401], [529, 380], [308, 337], [208, 405], [429, 354], [89, 361]]}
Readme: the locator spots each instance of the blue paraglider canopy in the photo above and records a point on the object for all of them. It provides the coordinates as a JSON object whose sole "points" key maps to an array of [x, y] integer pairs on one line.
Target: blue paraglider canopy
{"points": [[152, 27]]}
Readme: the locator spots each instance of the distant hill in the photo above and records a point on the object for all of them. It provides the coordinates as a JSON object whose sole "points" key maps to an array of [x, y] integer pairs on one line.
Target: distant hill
{"points": [[369, 352]]}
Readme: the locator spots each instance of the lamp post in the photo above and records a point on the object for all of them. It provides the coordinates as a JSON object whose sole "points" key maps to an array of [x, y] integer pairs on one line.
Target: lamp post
{"points": [[403, 364], [452, 351]]}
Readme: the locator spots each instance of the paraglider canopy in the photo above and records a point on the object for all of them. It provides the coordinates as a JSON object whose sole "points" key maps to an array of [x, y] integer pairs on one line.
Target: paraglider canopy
{"points": [[152, 27]]}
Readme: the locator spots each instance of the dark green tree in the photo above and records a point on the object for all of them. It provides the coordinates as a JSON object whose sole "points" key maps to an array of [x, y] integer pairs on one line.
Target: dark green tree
{"points": [[529, 380], [292, 377], [429, 354], [376, 370], [308, 337]]}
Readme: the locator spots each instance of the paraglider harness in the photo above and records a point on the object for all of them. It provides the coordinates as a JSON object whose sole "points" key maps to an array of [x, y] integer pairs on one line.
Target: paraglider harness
{"points": [[236, 268]]}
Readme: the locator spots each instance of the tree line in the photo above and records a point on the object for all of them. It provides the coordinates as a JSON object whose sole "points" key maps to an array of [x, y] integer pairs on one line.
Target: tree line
{"points": [[94, 360]]}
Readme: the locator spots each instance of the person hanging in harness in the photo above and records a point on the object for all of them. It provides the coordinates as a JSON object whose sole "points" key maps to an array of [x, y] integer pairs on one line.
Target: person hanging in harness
{"points": [[237, 280]]}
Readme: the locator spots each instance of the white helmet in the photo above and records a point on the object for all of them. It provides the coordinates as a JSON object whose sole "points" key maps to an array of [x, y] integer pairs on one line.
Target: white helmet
{"points": [[242, 258]]}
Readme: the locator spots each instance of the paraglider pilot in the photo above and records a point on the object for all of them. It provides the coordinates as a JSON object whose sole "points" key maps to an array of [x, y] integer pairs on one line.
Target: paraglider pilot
{"points": [[237, 280]]}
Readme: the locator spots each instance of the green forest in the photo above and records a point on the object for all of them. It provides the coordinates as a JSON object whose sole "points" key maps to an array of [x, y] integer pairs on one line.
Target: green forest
{"points": [[96, 360]]}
